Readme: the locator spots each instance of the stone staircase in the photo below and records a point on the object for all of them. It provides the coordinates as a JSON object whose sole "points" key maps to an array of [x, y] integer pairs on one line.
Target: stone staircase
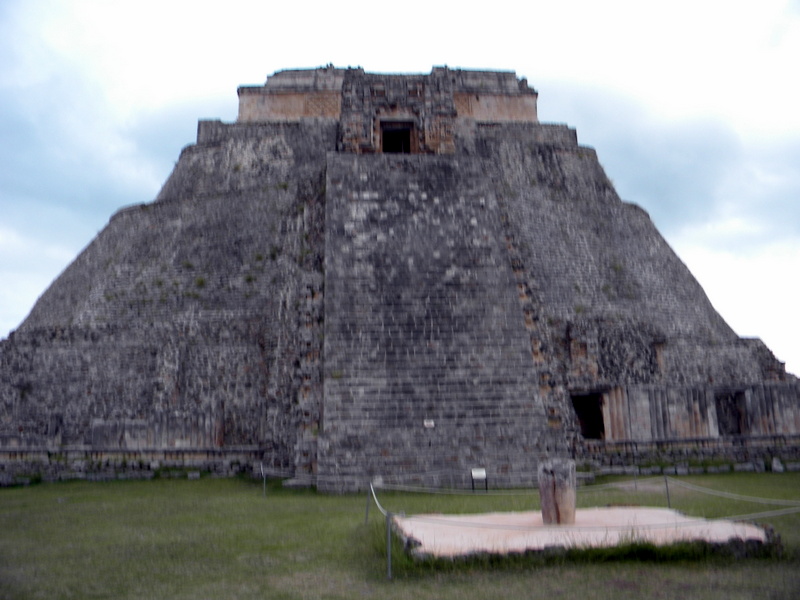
{"points": [[428, 367]]}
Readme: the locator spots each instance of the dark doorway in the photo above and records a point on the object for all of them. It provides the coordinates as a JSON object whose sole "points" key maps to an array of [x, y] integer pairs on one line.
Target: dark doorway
{"points": [[589, 410], [396, 137], [731, 413]]}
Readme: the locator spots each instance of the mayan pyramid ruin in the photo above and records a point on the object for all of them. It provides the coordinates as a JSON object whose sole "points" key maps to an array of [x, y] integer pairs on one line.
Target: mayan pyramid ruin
{"points": [[405, 276]]}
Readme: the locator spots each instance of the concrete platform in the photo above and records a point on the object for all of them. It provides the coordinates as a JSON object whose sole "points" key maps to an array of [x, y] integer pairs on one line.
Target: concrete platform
{"points": [[503, 533]]}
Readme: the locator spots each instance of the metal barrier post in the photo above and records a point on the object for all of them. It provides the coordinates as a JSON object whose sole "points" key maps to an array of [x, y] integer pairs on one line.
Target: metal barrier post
{"points": [[264, 477], [388, 545]]}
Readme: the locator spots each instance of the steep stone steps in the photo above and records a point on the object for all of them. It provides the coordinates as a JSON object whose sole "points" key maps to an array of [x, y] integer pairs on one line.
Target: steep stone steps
{"points": [[425, 342]]}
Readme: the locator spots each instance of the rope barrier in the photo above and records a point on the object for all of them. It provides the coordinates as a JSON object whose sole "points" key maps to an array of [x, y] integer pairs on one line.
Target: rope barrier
{"points": [[276, 473], [763, 515], [378, 504], [732, 496], [396, 487], [616, 485], [793, 506], [400, 487], [448, 473], [451, 491]]}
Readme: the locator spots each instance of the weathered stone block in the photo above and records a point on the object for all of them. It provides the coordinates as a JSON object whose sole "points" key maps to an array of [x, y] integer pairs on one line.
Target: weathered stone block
{"points": [[557, 489]]}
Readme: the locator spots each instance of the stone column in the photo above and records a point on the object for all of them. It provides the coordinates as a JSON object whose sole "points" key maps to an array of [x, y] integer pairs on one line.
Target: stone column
{"points": [[557, 491]]}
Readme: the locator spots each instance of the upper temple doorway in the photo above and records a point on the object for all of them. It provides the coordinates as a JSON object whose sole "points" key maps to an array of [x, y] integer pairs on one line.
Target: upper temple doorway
{"points": [[397, 137]]}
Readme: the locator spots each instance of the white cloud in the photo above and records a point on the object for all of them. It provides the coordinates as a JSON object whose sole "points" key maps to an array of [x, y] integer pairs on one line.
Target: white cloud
{"points": [[28, 266], [755, 293]]}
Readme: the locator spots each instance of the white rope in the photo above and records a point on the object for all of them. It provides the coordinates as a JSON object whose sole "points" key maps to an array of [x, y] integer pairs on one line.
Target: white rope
{"points": [[763, 515], [500, 493], [793, 507], [396, 487], [731, 496], [276, 473], [399, 487], [451, 491], [378, 504], [618, 484], [426, 474]]}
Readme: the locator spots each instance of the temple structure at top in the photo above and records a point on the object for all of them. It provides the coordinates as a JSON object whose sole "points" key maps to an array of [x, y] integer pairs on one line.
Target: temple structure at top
{"points": [[382, 113]]}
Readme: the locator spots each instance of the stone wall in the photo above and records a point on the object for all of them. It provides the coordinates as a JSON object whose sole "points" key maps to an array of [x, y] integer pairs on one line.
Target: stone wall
{"points": [[25, 466], [670, 412], [493, 108], [293, 95], [684, 456]]}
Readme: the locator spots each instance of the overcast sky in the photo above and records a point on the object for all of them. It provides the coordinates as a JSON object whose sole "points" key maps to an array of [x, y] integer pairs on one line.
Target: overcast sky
{"points": [[693, 107]]}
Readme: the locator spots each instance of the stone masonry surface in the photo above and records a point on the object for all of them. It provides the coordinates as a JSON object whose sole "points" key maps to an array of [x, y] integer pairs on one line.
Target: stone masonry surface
{"points": [[383, 275]]}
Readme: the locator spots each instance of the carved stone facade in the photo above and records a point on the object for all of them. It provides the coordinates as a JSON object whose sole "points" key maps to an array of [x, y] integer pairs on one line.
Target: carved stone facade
{"points": [[378, 113], [397, 275]]}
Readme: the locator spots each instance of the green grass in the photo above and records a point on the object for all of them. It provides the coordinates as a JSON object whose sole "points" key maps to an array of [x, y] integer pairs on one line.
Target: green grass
{"points": [[221, 538]]}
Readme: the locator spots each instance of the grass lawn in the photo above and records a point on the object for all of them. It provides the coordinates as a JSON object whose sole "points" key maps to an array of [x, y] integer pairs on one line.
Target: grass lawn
{"points": [[221, 538]]}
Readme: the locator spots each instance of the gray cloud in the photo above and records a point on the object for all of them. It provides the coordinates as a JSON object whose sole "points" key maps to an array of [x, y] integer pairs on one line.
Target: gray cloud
{"points": [[777, 200], [68, 165], [686, 172], [160, 135], [672, 170]]}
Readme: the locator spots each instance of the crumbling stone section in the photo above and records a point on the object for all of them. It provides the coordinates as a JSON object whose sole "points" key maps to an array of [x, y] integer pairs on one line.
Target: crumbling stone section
{"points": [[193, 322]]}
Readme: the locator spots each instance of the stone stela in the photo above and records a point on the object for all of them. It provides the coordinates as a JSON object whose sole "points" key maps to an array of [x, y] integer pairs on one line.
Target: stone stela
{"points": [[557, 488]]}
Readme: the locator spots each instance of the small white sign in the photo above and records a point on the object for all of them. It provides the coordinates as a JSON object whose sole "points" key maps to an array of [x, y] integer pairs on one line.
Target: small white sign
{"points": [[429, 424], [479, 474]]}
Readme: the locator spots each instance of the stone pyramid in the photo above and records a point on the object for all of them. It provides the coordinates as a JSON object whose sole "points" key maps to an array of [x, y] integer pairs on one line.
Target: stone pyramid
{"points": [[405, 276]]}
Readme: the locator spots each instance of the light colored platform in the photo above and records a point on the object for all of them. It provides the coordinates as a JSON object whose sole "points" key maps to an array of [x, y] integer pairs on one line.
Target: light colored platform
{"points": [[502, 533]]}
